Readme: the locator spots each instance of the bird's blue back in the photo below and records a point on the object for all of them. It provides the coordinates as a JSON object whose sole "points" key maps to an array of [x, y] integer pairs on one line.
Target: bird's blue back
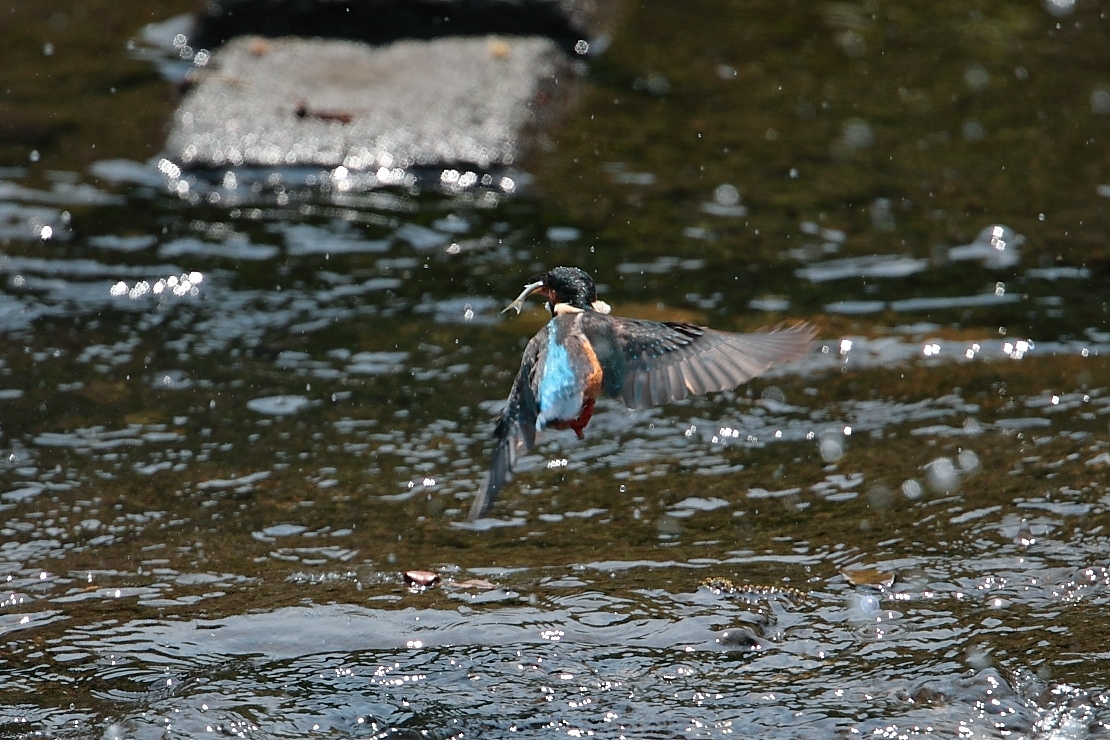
{"points": [[562, 377]]}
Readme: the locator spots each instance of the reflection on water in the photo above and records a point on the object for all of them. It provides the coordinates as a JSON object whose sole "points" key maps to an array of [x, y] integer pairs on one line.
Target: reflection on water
{"points": [[224, 449], [236, 406]]}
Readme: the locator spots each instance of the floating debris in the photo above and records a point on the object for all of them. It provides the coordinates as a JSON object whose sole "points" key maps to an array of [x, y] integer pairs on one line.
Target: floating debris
{"points": [[872, 577], [481, 584]]}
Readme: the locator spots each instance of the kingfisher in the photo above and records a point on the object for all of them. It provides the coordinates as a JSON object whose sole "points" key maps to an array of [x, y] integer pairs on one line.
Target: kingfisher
{"points": [[584, 351]]}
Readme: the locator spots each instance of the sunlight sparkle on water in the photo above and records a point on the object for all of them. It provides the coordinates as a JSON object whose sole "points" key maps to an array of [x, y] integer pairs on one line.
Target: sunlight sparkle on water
{"points": [[1016, 350], [454, 179], [178, 285], [996, 246], [392, 176], [169, 169]]}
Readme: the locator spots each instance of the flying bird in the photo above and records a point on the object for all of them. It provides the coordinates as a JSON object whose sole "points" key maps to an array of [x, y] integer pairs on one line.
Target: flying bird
{"points": [[583, 351]]}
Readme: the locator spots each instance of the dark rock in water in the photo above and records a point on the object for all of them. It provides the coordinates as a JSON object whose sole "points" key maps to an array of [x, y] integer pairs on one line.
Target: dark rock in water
{"points": [[383, 21], [303, 102]]}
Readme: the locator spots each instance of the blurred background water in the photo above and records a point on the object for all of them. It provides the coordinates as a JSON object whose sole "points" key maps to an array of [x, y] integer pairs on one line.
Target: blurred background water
{"points": [[235, 408]]}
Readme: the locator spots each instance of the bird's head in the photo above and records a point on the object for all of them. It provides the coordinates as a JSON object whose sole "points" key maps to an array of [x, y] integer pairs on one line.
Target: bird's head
{"points": [[566, 289]]}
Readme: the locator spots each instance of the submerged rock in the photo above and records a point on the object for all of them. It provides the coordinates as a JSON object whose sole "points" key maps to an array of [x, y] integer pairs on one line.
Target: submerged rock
{"points": [[313, 102]]}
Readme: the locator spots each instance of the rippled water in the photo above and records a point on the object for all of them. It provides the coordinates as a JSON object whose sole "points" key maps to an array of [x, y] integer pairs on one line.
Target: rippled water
{"points": [[235, 408]]}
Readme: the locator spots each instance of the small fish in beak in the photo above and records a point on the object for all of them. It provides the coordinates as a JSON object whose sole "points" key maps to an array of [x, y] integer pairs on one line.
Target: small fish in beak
{"points": [[518, 304]]}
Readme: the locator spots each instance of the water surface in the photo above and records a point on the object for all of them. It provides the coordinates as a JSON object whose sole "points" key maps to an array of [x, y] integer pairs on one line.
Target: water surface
{"points": [[236, 407]]}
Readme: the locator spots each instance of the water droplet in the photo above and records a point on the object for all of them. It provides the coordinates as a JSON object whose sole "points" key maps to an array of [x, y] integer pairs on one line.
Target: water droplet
{"points": [[726, 195], [831, 446], [969, 461], [857, 134], [977, 77], [1100, 102], [911, 489], [973, 130], [942, 476]]}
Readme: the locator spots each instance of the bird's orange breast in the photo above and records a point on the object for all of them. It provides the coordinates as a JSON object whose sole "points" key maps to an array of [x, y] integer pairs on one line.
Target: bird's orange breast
{"points": [[592, 387]]}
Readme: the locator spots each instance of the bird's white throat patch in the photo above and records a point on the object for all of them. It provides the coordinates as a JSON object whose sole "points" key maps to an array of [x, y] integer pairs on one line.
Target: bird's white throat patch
{"points": [[561, 308]]}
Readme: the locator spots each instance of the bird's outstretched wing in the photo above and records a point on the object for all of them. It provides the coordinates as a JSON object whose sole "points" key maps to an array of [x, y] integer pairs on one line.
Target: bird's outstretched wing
{"points": [[669, 361], [515, 432]]}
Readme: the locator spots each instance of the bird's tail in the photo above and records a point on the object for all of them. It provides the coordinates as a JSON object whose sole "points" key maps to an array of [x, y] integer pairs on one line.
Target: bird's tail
{"points": [[487, 494], [515, 433], [500, 475]]}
